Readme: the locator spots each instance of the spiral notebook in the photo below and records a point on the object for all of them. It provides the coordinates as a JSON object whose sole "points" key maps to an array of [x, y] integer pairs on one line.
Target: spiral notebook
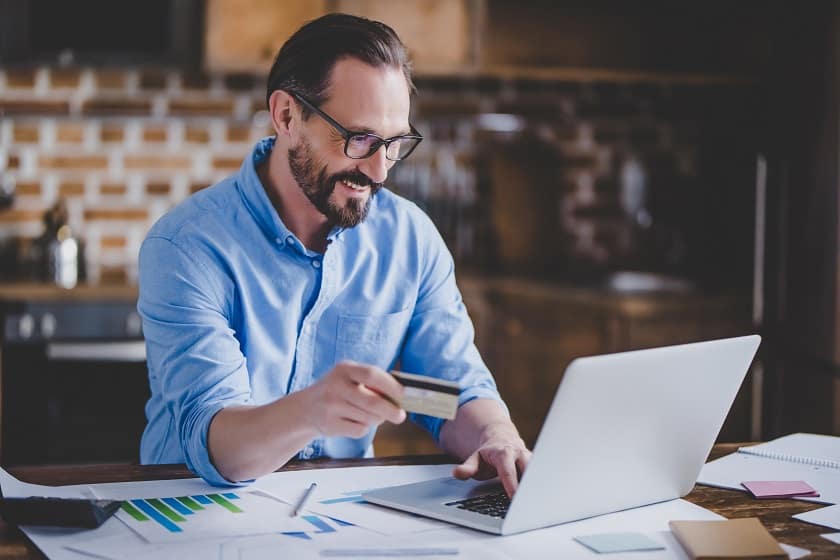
{"points": [[813, 458]]}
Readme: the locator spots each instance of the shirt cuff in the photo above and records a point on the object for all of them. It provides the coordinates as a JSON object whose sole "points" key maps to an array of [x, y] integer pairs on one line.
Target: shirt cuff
{"points": [[197, 452], [434, 424]]}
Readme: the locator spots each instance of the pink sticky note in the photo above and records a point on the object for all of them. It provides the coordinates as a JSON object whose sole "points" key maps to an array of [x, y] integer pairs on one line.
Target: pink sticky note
{"points": [[780, 488]]}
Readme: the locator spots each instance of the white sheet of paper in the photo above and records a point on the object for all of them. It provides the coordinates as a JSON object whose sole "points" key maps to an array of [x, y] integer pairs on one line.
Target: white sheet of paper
{"points": [[833, 537], [14, 488], [827, 517], [131, 547], [259, 514], [730, 471], [340, 484], [52, 541], [794, 552], [550, 543]]}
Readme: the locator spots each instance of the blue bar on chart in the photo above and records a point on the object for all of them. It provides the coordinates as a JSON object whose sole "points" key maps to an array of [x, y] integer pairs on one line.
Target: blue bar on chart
{"points": [[177, 506], [146, 508], [356, 498], [169, 512], [321, 525]]}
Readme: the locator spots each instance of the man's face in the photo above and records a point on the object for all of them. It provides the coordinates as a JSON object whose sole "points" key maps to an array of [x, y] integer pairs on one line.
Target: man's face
{"points": [[363, 99]]}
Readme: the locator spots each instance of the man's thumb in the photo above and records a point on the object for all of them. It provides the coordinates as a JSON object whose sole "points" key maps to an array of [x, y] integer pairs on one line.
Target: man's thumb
{"points": [[468, 468]]}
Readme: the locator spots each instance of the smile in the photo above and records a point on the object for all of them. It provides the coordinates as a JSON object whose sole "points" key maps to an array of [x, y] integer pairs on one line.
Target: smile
{"points": [[355, 187]]}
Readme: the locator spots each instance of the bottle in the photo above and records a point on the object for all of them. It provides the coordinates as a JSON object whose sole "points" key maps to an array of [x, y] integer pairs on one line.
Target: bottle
{"points": [[64, 258], [57, 250]]}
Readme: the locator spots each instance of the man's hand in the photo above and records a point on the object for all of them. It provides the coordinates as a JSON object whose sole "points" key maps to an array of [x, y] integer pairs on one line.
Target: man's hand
{"points": [[352, 398], [502, 454]]}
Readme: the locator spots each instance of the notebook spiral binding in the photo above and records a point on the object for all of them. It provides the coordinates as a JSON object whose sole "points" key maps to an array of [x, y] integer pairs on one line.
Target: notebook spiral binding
{"points": [[813, 461]]}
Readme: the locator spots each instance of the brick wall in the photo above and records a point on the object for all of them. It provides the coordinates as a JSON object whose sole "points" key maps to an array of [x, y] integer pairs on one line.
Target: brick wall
{"points": [[121, 146], [540, 184]]}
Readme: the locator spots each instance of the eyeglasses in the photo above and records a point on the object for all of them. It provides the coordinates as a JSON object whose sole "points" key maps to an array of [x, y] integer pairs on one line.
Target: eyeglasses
{"points": [[361, 145]]}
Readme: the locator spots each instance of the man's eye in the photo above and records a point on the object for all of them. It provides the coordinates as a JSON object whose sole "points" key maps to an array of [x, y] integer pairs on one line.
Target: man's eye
{"points": [[362, 140]]}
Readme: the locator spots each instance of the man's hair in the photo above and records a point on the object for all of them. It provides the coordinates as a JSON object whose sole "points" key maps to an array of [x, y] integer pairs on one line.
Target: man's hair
{"points": [[305, 62]]}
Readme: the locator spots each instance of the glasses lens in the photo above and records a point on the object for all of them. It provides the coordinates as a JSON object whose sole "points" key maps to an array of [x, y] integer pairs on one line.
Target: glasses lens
{"points": [[399, 149], [361, 145]]}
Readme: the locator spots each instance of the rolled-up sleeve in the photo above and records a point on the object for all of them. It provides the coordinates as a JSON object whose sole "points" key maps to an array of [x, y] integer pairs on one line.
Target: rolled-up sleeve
{"points": [[441, 339], [194, 359]]}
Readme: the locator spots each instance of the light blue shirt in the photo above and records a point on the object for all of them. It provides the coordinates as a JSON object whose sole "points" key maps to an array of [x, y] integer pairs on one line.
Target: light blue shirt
{"points": [[237, 311]]}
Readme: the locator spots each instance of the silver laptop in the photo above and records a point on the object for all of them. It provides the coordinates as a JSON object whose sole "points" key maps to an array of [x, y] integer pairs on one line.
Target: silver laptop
{"points": [[624, 430]]}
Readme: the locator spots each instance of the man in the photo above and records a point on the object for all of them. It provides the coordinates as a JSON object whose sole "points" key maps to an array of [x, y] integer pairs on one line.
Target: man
{"points": [[274, 302]]}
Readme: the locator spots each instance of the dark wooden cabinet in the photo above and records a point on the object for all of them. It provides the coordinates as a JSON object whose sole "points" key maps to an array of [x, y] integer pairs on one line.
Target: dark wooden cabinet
{"points": [[802, 284]]}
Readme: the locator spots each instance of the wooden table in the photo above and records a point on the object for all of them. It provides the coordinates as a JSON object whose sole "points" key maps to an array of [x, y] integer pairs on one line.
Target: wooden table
{"points": [[774, 514]]}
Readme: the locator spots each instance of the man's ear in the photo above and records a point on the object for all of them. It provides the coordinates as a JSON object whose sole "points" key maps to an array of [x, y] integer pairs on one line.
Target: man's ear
{"points": [[284, 112]]}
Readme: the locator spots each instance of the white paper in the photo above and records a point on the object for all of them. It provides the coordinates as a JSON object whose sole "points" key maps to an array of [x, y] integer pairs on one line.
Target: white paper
{"points": [[156, 489], [130, 546], [794, 552], [259, 514], [833, 537], [730, 471], [827, 517], [347, 484], [52, 541], [553, 542], [14, 488], [805, 447], [550, 543]]}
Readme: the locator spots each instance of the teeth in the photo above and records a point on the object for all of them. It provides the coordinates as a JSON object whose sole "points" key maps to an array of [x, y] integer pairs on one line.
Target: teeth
{"points": [[354, 186]]}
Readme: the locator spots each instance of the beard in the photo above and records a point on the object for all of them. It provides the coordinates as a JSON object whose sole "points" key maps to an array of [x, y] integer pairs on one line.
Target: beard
{"points": [[319, 187]]}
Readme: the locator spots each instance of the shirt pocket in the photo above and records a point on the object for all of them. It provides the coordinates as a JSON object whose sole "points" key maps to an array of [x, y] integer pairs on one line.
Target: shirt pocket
{"points": [[371, 339]]}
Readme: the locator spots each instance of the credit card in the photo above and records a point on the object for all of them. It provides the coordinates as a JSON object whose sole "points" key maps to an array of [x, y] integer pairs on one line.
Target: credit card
{"points": [[428, 395]]}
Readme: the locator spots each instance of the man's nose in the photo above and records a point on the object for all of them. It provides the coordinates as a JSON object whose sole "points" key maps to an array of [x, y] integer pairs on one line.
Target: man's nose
{"points": [[376, 166]]}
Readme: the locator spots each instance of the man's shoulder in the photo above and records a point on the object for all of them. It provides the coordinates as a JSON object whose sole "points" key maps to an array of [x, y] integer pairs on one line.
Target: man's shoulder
{"points": [[204, 208], [394, 208]]}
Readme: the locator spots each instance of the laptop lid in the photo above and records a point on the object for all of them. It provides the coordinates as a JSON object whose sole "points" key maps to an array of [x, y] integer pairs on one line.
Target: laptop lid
{"points": [[629, 429], [624, 430]]}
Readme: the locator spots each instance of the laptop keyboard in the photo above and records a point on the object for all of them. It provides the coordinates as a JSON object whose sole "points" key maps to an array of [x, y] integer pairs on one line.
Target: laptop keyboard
{"points": [[494, 505]]}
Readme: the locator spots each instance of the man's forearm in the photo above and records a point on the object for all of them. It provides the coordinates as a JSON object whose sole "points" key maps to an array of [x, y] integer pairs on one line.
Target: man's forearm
{"points": [[251, 441], [476, 422]]}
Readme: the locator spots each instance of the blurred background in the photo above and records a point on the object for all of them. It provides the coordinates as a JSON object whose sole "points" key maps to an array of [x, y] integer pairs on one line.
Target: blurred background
{"points": [[608, 175]]}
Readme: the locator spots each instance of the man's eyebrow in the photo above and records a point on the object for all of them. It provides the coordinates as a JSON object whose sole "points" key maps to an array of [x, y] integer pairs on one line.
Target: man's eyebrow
{"points": [[368, 130]]}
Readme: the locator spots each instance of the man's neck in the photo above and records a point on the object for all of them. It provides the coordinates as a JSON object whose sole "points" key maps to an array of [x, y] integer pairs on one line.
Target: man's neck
{"points": [[291, 204]]}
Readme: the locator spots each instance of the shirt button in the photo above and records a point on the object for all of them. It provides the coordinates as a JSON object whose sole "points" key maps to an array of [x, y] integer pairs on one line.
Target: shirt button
{"points": [[289, 240], [316, 263], [307, 452], [278, 240]]}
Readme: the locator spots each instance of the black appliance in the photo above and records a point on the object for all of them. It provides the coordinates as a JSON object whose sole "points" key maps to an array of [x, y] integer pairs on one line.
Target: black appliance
{"points": [[74, 382]]}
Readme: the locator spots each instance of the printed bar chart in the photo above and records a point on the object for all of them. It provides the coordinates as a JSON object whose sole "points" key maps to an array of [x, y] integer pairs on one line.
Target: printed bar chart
{"points": [[182, 518]]}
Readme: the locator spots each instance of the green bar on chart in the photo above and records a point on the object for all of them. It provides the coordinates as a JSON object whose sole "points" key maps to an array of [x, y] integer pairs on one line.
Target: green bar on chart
{"points": [[190, 503], [165, 510], [134, 512], [224, 503]]}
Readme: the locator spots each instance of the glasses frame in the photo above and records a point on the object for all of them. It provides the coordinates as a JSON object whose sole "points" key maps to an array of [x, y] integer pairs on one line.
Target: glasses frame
{"points": [[348, 134]]}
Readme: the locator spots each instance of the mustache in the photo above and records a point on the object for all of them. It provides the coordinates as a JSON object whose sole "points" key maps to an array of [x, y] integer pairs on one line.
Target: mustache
{"points": [[358, 178]]}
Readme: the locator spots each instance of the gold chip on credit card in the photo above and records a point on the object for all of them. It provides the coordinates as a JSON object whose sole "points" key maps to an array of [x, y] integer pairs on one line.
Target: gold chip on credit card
{"points": [[428, 395]]}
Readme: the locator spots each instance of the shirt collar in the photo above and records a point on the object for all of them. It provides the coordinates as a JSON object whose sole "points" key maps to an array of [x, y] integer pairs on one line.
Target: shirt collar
{"points": [[256, 199], [253, 193]]}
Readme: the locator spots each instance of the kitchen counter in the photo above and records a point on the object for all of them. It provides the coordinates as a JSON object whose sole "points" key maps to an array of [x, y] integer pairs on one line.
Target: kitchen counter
{"points": [[628, 304], [37, 291]]}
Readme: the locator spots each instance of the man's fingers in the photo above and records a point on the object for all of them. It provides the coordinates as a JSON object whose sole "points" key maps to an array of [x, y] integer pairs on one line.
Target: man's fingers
{"points": [[378, 405], [507, 473], [468, 468], [376, 379], [522, 460]]}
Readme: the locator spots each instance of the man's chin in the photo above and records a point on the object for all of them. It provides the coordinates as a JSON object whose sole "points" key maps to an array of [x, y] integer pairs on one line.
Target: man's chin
{"points": [[350, 214]]}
